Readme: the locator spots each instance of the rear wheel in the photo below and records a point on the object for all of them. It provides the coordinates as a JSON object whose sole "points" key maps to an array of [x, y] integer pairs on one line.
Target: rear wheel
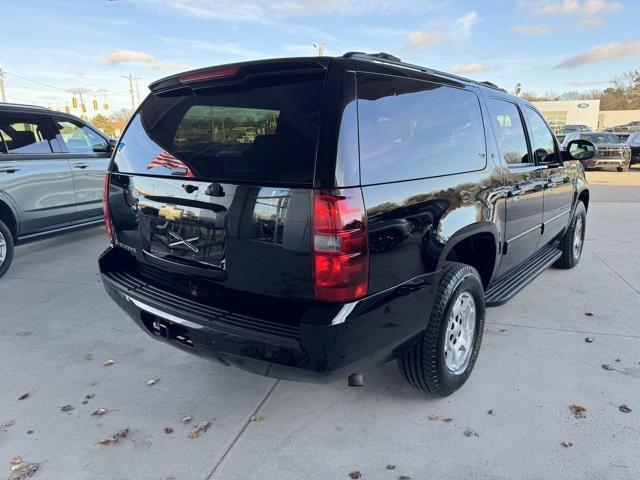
{"points": [[572, 243], [6, 248], [624, 169], [444, 355]]}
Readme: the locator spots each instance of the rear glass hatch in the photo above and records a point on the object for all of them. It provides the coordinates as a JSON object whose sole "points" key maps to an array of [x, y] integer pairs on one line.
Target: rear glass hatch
{"points": [[211, 179]]}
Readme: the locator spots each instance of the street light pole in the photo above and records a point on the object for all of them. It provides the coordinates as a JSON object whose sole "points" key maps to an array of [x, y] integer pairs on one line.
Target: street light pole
{"points": [[3, 75], [132, 92]]}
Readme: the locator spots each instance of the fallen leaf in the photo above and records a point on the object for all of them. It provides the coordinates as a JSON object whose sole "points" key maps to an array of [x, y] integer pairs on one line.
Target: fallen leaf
{"points": [[567, 444], [588, 314], [447, 420], [618, 360], [433, 417], [624, 408], [23, 396], [108, 363], [355, 474], [391, 467], [470, 432], [490, 412], [89, 396], [88, 356], [21, 471], [588, 340], [8, 423], [186, 419], [404, 477], [606, 366], [116, 437], [66, 408], [255, 418], [29, 432], [99, 412], [168, 430], [153, 381], [578, 411], [16, 460], [198, 429]]}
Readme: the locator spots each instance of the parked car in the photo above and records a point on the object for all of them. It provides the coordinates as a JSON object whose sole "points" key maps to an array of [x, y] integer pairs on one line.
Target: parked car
{"points": [[52, 169], [633, 142], [627, 127], [483, 202], [612, 151], [575, 128]]}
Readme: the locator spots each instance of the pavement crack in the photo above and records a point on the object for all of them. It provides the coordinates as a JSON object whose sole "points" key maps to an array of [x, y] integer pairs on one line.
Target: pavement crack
{"points": [[242, 430], [566, 330], [612, 269]]}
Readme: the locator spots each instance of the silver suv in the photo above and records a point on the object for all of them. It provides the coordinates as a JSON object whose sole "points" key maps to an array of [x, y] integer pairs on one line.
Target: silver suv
{"points": [[52, 169]]}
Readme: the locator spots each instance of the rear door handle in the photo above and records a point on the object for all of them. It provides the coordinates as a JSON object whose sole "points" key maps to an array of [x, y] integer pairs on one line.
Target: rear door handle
{"points": [[80, 165], [10, 169]]}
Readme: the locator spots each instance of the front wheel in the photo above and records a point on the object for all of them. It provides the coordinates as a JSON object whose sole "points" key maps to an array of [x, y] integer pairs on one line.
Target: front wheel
{"points": [[6, 248], [572, 243], [445, 353]]}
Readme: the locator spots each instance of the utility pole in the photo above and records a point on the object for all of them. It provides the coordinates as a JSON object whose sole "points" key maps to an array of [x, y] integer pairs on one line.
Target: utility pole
{"points": [[132, 92], [320, 48], [3, 75]]}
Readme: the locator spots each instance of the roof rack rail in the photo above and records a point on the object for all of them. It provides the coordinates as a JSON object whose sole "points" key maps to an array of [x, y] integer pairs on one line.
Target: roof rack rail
{"points": [[7, 104], [393, 60]]}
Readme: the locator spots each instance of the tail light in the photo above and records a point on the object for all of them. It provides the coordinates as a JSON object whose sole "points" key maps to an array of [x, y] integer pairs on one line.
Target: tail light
{"points": [[340, 245], [107, 213], [212, 74]]}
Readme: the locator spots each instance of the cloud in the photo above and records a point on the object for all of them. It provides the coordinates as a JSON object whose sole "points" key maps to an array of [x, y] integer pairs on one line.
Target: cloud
{"points": [[602, 53], [569, 7], [594, 83], [266, 11], [530, 30], [420, 40], [470, 68], [463, 26], [132, 56], [231, 49]]}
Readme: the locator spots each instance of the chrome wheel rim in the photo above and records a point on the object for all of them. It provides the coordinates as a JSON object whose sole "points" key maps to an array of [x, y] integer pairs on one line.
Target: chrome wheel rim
{"points": [[3, 248], [578, 238], [460, 333]]}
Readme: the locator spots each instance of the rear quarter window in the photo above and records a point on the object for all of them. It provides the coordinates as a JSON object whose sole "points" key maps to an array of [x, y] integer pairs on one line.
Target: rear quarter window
{"points": [[413, 129]]}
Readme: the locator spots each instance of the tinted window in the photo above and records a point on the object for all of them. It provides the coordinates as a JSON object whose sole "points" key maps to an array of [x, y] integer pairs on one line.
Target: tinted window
{"points": [[78, 137], [509, 131], [262, 132], [25, 133], [542, 140], [413, 129], [601, 137]]}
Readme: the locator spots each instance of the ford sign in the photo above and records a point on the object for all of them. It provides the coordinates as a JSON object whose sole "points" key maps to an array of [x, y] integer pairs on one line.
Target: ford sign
{"points": [[583, 105]]}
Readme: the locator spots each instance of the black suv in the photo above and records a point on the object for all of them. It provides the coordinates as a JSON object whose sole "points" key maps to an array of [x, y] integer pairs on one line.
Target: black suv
{"points": [[302, 218], [52, 168]]}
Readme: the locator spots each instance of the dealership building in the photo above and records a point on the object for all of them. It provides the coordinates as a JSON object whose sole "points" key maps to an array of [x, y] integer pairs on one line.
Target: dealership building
{"points": [[583, 112]]}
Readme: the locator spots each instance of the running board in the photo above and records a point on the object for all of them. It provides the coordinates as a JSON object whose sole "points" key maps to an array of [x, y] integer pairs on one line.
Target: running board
{"points": [[505, 288]]}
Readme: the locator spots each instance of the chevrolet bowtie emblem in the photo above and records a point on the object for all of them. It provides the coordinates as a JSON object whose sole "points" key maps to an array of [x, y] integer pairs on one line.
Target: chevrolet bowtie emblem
{"points": [[170, 212], [181, 241]]}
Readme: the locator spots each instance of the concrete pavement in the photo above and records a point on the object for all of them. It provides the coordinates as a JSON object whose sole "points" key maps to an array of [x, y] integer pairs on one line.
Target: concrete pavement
{"points": [[58, 327]]}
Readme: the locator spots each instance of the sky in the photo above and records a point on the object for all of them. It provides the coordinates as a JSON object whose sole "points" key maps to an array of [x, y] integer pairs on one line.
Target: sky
{"points": [[53, 47]]}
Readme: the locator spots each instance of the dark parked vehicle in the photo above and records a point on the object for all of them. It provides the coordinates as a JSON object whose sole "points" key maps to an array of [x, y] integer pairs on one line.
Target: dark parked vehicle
{"points": [[633, 142], [611, 152], [575, 128], [52, 168], [266, 253], [627, 127]]}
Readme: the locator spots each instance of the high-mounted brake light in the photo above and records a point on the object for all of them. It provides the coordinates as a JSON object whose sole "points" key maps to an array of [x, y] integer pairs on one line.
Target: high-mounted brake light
{"points": [[340, 245], [209, 75], [107, 213]]}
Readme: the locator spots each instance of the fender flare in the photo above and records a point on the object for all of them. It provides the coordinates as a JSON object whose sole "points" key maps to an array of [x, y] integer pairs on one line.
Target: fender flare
{"points": [[6, 200]]}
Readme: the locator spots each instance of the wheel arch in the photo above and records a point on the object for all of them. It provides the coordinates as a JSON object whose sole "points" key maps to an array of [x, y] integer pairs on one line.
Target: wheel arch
{"points": [[465, 245], [9, 217]]}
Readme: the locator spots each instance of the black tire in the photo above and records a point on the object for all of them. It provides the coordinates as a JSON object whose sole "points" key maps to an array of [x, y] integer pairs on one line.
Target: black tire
{"points": [[423, 364], [570, 257], [624, 169], [7, 239]]}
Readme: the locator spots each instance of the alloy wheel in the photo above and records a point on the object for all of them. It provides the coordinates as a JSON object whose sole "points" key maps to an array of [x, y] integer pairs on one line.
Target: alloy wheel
{"points": [[460, 333]]}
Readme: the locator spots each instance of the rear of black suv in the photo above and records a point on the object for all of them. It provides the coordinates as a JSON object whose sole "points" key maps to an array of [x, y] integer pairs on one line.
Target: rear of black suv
{"points": [[238, 225]]}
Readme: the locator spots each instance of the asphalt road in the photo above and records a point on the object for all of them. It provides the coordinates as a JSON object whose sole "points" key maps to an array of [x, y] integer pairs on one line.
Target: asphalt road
{"points": [[57, 327]]}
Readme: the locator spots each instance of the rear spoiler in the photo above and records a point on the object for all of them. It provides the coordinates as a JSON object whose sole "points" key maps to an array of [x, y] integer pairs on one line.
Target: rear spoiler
{"points": [[237, 73]]}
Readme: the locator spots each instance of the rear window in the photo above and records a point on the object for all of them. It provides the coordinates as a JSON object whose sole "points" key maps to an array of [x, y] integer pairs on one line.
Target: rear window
{"points": [[263, 133], [414, 129]]}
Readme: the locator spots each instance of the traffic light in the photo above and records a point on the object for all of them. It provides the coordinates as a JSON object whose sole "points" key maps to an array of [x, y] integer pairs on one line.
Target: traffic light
{"points": [[106, 106], [74, 102], [84, 108], [95, 104], [67, 109]]}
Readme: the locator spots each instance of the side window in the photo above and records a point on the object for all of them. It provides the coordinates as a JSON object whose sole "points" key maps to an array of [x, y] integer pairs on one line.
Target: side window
{"points": [[414, 129], [78, 137], [509, 131], [542, 140], [25, 133], [3, 139]]}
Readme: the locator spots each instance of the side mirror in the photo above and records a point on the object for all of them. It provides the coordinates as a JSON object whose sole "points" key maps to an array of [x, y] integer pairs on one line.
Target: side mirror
{"points": [[581, 149], [100, 148]]}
